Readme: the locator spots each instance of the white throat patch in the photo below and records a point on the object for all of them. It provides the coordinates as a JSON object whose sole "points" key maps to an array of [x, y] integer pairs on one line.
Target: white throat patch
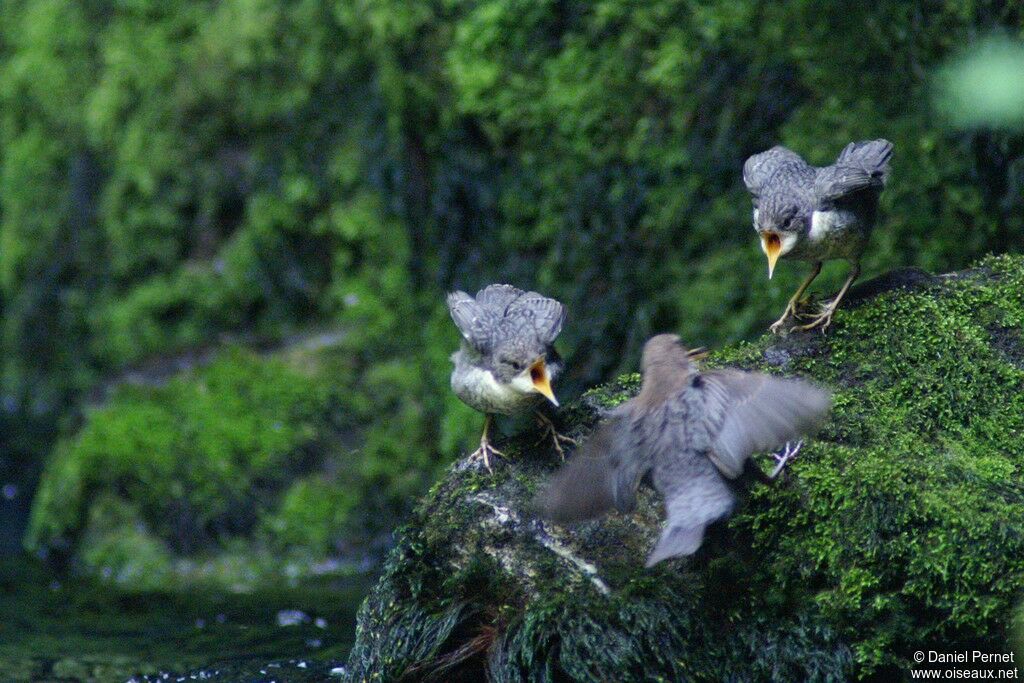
{"points": [[821, 223]]}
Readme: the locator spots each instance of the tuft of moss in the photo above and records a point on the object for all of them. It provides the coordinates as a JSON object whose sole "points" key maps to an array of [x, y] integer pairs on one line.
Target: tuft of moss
{"points": [[899, 527]]}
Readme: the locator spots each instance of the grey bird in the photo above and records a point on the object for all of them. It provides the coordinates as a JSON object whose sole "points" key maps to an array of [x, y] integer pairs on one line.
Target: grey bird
{"points": [[506, 361], [688, 432], [816, 214]]}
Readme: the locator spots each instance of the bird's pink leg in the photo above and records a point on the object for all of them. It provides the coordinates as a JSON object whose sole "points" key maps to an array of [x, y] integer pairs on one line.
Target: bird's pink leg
{"points": [[486, 450], [782, 458], [824, 319]]}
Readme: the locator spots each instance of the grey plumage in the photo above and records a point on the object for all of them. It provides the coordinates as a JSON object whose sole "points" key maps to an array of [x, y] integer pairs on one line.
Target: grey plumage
{"points": [[502, 313], [504, 330], [784, 186], [816, 214], [860, 166], [690, 432], [507, 357]]}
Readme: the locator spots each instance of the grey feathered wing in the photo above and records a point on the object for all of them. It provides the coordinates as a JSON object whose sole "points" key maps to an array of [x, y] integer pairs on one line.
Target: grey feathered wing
{"points": [[748, 412], [543, 315], [872, 155], [503, 310], [476, 323], [860, 166], [605, 474], [758, 169], [498, 297]]}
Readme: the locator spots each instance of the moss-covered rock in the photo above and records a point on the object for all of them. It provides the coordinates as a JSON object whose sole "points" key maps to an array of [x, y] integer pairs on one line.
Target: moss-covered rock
{"points": [[229, 467], [900, 527]]}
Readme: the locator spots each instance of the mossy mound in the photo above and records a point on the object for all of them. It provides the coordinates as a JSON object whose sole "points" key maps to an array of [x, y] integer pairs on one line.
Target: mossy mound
{"points": [[900, 527], [223, 472]]}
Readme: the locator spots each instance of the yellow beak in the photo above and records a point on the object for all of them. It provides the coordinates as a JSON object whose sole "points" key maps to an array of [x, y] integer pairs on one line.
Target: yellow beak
{"points": [[542, 380], [772, 246]]}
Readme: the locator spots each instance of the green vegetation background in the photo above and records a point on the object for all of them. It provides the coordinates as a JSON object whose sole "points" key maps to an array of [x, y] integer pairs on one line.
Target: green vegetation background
{"points": [[178, 176]]}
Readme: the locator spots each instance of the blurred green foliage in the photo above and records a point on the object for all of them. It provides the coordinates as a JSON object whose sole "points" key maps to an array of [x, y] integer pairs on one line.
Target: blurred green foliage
{"points": [[174, 174], [194, 463], [983, 86]]}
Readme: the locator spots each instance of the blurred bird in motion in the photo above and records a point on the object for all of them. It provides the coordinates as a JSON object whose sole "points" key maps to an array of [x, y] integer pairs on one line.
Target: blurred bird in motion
{"points": [[689, 432], [816, 214], [507, 360]]}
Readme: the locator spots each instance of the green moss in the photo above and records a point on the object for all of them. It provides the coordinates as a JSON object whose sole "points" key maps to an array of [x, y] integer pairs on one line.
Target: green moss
{"points": [[117, 540], [614, 393], [900, 526], [311, 514], [191, 466]]}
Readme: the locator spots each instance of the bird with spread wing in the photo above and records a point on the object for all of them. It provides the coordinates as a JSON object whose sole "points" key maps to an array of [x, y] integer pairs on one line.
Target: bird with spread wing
{"points": [[689, 432]]}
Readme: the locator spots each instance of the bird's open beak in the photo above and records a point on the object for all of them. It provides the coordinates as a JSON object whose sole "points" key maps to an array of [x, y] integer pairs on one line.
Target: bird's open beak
{"points": [[771, 245], [542, 380]]}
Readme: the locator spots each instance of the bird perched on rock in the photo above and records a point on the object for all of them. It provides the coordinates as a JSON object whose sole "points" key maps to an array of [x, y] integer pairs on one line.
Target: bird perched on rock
{"points": [[816, 214], [690, 432], [506, 361]]}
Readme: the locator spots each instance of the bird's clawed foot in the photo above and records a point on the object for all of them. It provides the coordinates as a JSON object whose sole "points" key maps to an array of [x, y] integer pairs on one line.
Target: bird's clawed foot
{"points": [[779, 326], [820, 321], [485, 453], [792, 312], [824, 317], [550, 431], [783, 457]]}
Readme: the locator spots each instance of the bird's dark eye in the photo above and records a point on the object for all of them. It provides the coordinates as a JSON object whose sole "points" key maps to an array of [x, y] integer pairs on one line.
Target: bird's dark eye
{"points": [[516, 365]]}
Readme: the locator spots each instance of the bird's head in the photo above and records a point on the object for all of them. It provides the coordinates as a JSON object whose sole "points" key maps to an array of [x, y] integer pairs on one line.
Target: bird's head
{"points": [[664, 350], [666, 365], [523, 367], [779, 228]]}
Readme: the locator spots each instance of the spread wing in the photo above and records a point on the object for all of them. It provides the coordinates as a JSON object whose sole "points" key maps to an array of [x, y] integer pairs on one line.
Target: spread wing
{"points": [[758, 169], [748, 412], [605, 474], [500, 310], [860, 166], [543, 315], [476, 323], [498, 297], [873, 155]]}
